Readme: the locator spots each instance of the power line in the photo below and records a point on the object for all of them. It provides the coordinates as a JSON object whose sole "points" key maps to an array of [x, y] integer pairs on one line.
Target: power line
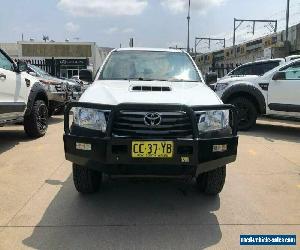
{"points": [[199, 39], [242, 34]]}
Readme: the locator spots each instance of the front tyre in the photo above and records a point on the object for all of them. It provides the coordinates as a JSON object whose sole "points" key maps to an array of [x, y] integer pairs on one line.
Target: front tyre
{"points": [[36, 123], [86, 181], [247, 113], [212, 182]]}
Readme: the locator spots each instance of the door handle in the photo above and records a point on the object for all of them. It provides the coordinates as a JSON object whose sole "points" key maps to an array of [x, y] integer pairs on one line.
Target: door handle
{"points": [[2, 76]]}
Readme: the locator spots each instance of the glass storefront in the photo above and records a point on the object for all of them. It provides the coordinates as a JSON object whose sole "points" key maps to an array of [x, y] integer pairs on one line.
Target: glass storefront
{"points": [[67, 68], [67, 71]]}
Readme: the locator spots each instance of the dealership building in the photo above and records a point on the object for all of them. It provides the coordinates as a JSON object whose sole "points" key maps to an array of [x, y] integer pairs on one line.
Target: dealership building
{"points": [[62, 59]]}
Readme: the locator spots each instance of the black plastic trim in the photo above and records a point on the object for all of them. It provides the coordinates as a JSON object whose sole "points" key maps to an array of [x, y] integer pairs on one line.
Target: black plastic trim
{"points": [[264, 86], [102, 154], [284, 107], [12, 107], [248, 89], [37, 92]]}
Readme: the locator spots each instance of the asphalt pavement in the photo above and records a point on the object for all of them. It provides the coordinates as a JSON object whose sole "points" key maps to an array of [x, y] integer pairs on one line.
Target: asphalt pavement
{"points": [[40, 208]]}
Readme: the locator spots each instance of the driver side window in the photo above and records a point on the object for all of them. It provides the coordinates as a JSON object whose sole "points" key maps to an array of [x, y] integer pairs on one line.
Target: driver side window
{"points": [[5, 63], [292, 72]]}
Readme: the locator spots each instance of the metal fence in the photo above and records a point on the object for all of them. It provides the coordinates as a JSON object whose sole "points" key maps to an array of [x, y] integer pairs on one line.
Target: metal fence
{"points": [[48, 65]]}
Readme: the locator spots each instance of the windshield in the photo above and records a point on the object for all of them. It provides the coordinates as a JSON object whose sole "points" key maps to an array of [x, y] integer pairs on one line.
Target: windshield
{"points": [[38, 70], [149, 66]]}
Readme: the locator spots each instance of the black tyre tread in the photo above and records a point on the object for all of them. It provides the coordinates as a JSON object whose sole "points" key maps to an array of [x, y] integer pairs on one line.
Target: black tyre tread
{"points": [[86, 181], [212, 182], [30, 121], [50, 112], [251, 105], [201, 182]]}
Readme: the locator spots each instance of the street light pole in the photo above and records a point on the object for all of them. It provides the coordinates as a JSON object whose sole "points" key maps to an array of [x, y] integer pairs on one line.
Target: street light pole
{"points": [[188, 21], [287, 20]]}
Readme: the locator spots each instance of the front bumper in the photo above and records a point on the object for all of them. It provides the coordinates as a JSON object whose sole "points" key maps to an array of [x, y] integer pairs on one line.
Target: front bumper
{"points": [[109, 151], [113, 155]]}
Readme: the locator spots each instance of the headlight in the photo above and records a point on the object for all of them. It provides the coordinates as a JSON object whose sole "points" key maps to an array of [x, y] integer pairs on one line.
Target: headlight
{"points": [[90, 119], [213, 120], [51, 88], [221, 86]]}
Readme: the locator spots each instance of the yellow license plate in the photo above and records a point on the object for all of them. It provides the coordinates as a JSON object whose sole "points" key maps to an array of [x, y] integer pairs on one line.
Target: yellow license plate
{"points": [[152, 149]]}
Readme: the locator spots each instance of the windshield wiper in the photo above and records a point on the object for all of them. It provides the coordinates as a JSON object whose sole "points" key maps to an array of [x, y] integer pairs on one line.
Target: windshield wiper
{"points": [[145, 79], [181, 80]]}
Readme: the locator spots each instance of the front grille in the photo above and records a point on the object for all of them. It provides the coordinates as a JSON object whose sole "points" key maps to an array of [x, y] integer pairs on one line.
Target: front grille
{"points": [[59, 87], [173, 125], [74, 88]]}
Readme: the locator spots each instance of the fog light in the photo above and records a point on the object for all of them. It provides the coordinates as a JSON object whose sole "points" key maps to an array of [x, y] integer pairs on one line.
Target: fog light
{"points": [[83, 146], [219, 148]]}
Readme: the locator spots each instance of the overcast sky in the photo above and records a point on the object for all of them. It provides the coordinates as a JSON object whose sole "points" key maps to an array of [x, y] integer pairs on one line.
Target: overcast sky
{"points": [[152, 23]]}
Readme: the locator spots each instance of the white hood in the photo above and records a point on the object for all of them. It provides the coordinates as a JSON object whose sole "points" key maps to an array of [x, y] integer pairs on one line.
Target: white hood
{"points": [[116, 92], [227, 79]]}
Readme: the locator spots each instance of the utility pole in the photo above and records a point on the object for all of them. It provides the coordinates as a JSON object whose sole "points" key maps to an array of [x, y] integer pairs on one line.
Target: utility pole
{"points": [[131, 42], [234, 30], [199, 39], [287, 21], [188, 23]]}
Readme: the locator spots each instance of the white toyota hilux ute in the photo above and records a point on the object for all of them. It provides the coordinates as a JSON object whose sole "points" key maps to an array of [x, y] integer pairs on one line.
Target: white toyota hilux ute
{"points": [[275, 92], [22, 98], [149, 112]]}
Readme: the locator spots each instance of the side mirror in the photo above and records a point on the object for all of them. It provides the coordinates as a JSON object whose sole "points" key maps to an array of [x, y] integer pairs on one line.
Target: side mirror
{"points": [[211, 78], [279, 76], [86, 75], [21, 66]]}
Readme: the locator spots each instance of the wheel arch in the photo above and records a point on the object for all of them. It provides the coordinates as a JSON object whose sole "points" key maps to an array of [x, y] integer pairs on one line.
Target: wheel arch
{"points": [[37, 92], [248, 91]]}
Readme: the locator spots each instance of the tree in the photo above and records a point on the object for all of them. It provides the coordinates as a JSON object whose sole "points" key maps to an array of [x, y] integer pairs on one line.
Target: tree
{"points": [[45, 38]]}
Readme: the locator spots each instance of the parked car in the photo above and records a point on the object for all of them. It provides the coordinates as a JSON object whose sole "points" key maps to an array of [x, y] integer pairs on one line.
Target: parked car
{"points": [[292, 57], [56, 89], [23, 99], [247, 70], [149, 112], [275, 92]]}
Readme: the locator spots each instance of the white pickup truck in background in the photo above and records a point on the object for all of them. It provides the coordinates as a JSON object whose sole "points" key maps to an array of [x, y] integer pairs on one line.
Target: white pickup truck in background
{"points": [[273, 91], [23, 99]]}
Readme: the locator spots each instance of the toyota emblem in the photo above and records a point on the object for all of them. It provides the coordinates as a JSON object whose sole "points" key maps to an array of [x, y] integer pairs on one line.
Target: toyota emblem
{"points": [[152, 119]]}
